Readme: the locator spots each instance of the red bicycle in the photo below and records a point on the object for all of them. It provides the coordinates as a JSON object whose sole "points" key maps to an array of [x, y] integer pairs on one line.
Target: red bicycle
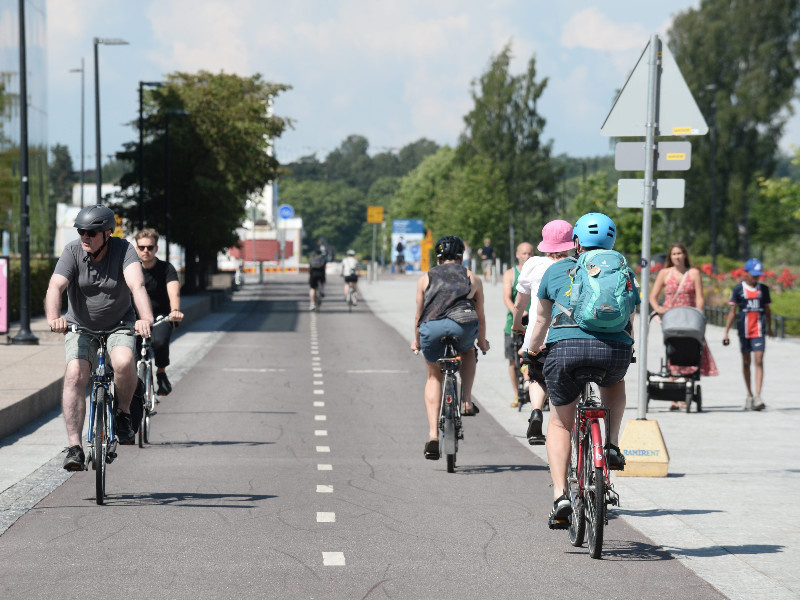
{"points": [[589, 487]]}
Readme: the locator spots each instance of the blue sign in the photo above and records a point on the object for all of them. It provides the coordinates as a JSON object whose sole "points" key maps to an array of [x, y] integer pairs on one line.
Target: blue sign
{"points": [[285, 211], [403, 226], [415, 252]]}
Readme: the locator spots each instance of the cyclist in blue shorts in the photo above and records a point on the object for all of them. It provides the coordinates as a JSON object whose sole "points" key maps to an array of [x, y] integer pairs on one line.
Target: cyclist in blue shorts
{"points": [[570, 347], [449, 303]]}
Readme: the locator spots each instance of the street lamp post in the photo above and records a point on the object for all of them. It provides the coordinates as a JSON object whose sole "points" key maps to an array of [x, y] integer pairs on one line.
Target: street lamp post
{"points": [[98, 155], [142, 84], [712, 88], [167, 191], [82, 71], [25, 335]]}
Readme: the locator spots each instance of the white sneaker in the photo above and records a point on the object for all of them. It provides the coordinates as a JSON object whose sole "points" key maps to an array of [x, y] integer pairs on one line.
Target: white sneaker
{"points": [[758, 404], [748, 403]]}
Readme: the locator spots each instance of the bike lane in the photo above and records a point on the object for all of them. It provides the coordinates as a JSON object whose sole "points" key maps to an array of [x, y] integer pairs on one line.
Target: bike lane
{"points": [[288, 463]]}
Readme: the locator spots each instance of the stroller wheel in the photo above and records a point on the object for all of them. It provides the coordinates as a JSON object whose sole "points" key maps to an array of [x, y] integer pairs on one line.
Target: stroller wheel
{"points": [[698, 398]]}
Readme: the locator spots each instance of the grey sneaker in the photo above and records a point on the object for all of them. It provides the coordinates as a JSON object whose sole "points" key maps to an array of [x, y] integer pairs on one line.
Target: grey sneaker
{"points": [[758, 404], [748, 403]]}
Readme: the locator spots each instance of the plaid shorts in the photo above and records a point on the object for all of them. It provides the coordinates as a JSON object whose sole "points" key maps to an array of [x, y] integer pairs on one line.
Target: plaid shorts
{"points": [[565, 356]]}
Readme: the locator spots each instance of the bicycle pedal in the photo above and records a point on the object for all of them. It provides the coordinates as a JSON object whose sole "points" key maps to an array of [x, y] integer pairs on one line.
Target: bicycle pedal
{"points": [[537, 441], [558, 524], [612, 498], [152, 413], [110, 456]]}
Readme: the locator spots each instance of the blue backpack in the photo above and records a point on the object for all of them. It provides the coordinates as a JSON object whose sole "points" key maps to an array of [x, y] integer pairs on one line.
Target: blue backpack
{"points": [[602, 297]]}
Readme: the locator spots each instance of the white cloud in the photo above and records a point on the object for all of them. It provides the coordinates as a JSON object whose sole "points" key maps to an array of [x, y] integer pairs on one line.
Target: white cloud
{"points": [[591, 29]]}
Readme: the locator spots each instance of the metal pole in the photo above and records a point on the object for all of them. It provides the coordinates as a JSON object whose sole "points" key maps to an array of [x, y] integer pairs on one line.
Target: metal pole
{"points": [[83, 126], [24, 336], [166, 188], [649, 156], [97, 155], [141, 159], [374, 238], [714, 185]]}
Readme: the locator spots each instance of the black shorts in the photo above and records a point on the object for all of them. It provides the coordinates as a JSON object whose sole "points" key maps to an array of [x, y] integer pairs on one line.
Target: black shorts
{"points": [[351, 278], [315, 278], [565, 356]]}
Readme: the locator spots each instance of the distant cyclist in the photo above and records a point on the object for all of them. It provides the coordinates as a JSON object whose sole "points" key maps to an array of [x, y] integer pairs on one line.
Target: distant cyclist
{"points": [[316, 276], [350, 273], [524, 252], [164, 290], [449, 303], [569, 347], [100, 274]]}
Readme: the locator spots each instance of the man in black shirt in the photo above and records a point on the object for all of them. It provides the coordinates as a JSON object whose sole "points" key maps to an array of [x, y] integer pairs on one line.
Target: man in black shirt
{"points": [[163, 287]]}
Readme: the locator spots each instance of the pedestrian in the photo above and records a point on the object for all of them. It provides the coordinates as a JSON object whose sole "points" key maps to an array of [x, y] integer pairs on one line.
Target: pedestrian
{"points": [[510, 277], [486, 254], [400, 249], [466, 260], [682, 286], [755, 318]]}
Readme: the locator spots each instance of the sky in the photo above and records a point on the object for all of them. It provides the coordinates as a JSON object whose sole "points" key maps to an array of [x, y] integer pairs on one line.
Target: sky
{"points": [[393, 71]]}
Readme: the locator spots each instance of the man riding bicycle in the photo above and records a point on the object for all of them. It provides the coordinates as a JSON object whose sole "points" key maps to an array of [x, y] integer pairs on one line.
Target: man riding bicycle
{"points": [[449, 303], [350, 274], [164, 290], [569, 347], [316, 276], [100, 274]]}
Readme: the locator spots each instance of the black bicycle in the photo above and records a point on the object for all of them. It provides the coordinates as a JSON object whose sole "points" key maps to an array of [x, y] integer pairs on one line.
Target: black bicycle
{"points": [[145, 369], [102, 438], [450, 427]]}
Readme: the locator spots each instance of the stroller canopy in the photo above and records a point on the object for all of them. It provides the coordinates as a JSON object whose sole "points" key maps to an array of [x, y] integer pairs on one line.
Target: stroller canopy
{"points": [[682, 322]]}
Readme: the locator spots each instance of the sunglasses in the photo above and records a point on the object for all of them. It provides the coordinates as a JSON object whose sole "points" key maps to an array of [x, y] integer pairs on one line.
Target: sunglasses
{"points": [[87, 232], [148, 248]]}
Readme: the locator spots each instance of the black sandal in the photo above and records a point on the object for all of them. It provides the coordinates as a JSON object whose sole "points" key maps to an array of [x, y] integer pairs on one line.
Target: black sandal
{"points": [[432, 449], [471, 413]]}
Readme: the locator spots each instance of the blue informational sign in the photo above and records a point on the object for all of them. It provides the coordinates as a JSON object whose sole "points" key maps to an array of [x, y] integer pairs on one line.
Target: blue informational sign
{"points": [[415, 252], [406, 237], [404, 226], [285, 211]]}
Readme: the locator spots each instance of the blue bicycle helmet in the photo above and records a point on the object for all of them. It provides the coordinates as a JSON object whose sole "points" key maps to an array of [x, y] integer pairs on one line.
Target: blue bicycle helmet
{"points": [[595, 230]]}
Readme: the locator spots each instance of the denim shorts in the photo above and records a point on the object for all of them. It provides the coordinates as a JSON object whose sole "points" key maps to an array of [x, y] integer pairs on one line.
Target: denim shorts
{"points": [[84, 346], [565, 356], [748, 345], [432, 332]]}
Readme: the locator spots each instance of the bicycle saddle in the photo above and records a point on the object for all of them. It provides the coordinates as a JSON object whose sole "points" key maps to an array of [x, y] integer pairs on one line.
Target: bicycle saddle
{"points": [[449, 339], [584, 374]]}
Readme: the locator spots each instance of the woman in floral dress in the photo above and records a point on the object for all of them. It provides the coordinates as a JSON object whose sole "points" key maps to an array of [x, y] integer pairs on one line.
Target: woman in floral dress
{"points": [[682, 286]]}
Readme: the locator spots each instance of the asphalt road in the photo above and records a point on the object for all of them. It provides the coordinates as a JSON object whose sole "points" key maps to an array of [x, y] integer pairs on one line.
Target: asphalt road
{"points": [[288, 464]]}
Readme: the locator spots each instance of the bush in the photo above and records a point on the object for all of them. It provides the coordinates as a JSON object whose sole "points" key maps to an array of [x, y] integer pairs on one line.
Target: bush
{"points": [[41, 270], [787, 304]]}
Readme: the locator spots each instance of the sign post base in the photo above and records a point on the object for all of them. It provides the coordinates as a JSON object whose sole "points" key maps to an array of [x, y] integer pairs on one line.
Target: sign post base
{"points": [[644, 449]]}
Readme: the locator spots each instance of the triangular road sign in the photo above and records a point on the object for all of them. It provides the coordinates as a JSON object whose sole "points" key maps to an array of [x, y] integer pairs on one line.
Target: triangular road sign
{"points": [[676, 110]]}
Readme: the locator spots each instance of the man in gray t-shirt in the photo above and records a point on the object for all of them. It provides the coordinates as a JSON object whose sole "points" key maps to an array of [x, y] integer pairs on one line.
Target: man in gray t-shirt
{"points": [[100, 274]]}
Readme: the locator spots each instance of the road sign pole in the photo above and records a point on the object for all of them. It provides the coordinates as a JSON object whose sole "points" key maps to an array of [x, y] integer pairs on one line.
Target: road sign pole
{"points": [[374, 237], [647, 215]]}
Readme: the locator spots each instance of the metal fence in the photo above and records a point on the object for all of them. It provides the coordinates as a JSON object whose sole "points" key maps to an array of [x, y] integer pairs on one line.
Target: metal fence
{"points": [[717, 315]]}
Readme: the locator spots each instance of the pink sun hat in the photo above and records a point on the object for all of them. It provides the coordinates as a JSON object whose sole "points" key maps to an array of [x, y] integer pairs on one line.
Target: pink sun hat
{"points": [[556, 237]]}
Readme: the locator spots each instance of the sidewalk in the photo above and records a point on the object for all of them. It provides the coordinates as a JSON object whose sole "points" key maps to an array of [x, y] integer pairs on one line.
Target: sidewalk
{"points": [[728, 509], [32, 376]]}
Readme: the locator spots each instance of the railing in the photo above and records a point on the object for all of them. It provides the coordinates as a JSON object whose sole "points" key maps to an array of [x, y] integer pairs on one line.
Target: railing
{"points": [[717, 315]]}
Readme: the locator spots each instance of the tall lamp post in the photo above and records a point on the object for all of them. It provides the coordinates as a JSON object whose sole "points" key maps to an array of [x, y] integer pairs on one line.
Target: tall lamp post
{"points": [[24, 336], [142, 85], [713, 88], [167, 191], [98, 155], [82, 71]]}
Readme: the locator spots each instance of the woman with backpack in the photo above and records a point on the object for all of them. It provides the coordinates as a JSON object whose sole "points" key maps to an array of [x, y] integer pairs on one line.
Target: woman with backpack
{"points": [[585, 309]]}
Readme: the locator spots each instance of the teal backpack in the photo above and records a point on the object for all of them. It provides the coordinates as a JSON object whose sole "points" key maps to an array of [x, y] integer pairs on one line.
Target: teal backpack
{"points": [[602, 297]]}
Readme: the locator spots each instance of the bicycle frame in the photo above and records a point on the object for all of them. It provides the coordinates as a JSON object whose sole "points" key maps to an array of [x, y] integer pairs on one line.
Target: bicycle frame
{"points": [[100, 378], [450, 406]]}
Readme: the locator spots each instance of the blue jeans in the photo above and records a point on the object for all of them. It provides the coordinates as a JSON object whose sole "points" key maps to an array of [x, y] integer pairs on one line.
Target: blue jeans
{"points": [[432, 332]]}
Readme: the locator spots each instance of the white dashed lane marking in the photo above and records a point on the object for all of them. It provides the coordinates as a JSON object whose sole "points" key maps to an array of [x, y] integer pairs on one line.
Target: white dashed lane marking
{"points": [[320, 418], [320, 432], [324, 489], [333, 559], [319, 403], [323, 448], [326, 517], [323, 467]]}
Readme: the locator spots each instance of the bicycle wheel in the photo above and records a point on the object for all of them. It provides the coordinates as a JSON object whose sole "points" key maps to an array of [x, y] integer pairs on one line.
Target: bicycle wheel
{"points": [[141, 370], [595, 494], [149, 403], [100, 444], [449, 435], [577, 520]]}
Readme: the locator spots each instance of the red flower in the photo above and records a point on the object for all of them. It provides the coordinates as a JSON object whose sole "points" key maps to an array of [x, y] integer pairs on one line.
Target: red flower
{"points": [[707, 268]]}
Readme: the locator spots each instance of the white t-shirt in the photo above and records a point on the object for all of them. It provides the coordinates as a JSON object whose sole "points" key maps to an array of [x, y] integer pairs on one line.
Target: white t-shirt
{"points": [[349, 266], [528, 283]]}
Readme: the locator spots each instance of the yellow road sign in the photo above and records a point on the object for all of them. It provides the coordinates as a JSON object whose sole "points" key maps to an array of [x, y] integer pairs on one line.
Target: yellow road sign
{"points": [[374, 214]]}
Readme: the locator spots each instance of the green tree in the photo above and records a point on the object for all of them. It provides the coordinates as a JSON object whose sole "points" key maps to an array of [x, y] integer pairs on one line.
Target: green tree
{"points": [[742, 71], [505, 127], [219, 132], [62, 174], [776, 218]]}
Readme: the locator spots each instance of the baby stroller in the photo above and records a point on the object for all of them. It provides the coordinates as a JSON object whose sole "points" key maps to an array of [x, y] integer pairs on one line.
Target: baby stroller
{"points": [[684, 329]]}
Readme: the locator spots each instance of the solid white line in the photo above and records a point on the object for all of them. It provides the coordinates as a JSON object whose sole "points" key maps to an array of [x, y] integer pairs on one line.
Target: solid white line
{"points": [[319, 403], [320, 417], [372, 371], [324, 489], [319, 392], [320, 432], [333, 559], [323, 448], [322, 467], [326, 517], [245, 370]]}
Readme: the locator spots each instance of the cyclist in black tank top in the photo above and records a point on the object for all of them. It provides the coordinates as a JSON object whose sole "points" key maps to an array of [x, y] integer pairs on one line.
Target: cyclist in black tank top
{"points": [[449, 302]]}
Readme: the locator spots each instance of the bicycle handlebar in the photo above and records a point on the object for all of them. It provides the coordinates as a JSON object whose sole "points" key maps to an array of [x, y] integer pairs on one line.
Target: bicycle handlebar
{"points": [[127, 329]]}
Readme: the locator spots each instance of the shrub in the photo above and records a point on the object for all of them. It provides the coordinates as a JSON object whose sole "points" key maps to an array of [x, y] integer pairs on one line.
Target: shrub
{"points": [[41, 270]]}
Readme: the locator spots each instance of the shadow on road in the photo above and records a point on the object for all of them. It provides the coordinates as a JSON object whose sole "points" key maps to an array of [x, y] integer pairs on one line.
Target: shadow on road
{"points": [[191, 499], [191, 443], [489, 469], [660, 512]]}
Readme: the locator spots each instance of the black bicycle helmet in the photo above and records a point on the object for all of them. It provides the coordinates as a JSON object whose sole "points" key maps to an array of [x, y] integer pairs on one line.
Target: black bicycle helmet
{"points": [[98, 217], [449, 247]]}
